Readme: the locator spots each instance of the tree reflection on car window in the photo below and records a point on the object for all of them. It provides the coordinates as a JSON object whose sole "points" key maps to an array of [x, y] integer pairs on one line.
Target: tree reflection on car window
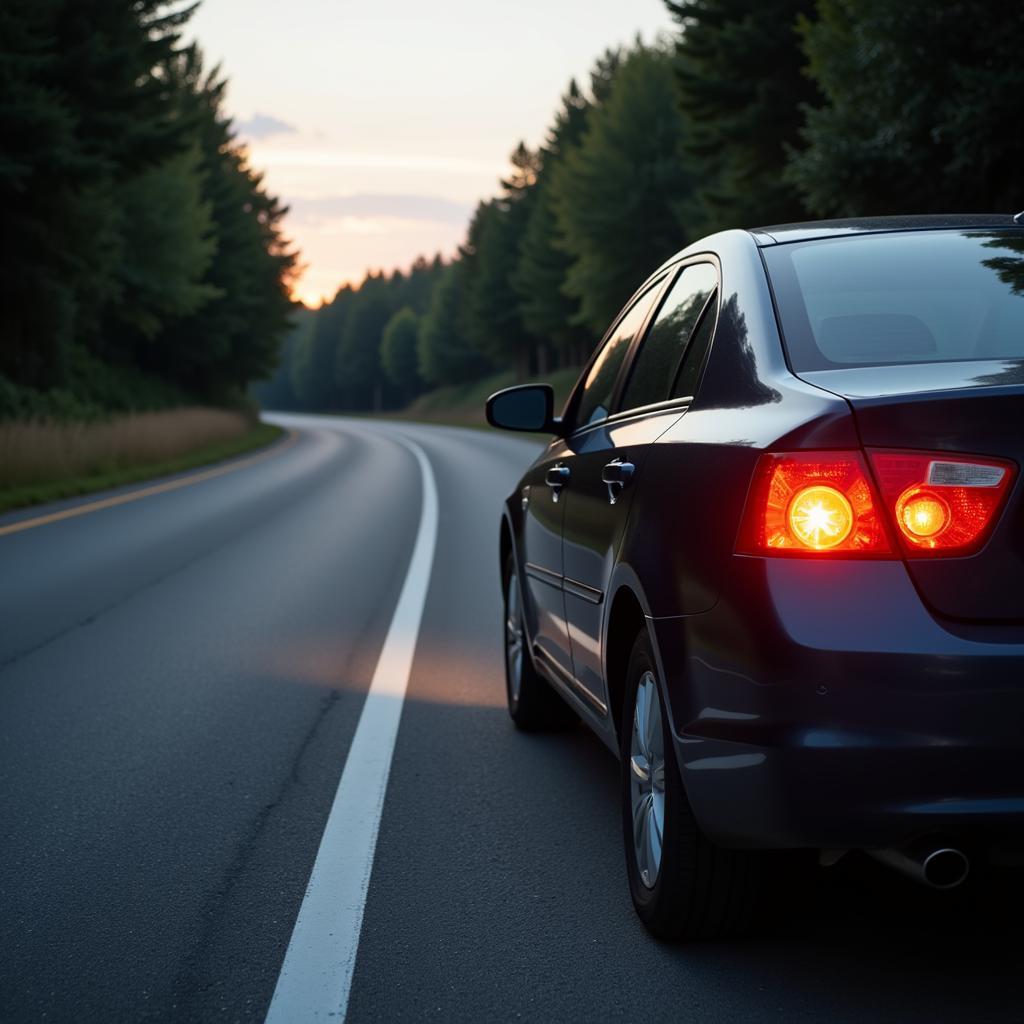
{"points": [[595, 402]]}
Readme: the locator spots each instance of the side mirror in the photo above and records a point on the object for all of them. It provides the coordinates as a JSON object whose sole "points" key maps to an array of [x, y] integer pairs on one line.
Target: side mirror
{"points": [[527, 407]]}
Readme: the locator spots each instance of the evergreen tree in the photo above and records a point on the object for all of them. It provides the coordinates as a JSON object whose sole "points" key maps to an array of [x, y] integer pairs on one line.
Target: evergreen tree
{"points": [[277, 392], [120, 179], [922, 108], [740, 70], [398, 355], [344, 362], [84, 109], [39, 200], [234, 337], [444, 354], [315, 354], [491, 318], [618, 194], [420, 282], [357, 369], [547, 312], [602, 75], [167, 248]]}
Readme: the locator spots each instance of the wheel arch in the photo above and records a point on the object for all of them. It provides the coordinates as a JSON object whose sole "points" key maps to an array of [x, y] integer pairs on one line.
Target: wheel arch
{"points": [[506, 547], [626, 619]]}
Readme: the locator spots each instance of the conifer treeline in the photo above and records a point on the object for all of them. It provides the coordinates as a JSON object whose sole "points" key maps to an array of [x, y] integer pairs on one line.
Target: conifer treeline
{"points": [[756, 113], [144, 262]]}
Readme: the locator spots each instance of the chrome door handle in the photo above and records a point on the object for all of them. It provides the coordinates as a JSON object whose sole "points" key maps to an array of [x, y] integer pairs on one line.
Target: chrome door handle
{"points": [[556, 478], [615, 476]]}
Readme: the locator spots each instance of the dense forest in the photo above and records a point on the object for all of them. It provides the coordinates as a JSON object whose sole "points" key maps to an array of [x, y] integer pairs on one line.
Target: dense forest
{"points": [[145, 264], [755, 113]]}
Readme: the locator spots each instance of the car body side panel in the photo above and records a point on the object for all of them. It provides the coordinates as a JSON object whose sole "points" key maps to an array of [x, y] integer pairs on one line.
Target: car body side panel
{"points": [[540, 545], [682, 529], [538, 603], [593, 530]]}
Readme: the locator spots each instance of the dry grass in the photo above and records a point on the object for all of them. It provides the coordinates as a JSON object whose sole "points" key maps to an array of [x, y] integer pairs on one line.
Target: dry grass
{"points": [[32, 453]]}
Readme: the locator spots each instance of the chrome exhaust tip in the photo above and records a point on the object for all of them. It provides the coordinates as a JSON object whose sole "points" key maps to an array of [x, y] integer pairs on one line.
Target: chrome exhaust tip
{"points": [[940, 867], [945, 868]]}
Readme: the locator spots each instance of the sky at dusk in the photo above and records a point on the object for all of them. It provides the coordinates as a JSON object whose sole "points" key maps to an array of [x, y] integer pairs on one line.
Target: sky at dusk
{"points": [[381, 125]]}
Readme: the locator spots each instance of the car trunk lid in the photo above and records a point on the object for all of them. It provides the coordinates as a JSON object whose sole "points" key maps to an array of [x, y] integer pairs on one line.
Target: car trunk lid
{"points": [[972, 407]]}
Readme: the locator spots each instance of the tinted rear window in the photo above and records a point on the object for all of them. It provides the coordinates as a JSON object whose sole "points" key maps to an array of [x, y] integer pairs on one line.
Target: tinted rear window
{"points": [[913, 297]]}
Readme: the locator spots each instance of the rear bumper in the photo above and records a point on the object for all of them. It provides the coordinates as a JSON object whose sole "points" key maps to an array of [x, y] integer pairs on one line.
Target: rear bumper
{"points": [[821, 705]]}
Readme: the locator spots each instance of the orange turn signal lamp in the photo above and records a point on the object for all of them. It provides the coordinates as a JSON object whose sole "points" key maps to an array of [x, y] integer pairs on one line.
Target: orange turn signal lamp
{"points": [[832, 504]]}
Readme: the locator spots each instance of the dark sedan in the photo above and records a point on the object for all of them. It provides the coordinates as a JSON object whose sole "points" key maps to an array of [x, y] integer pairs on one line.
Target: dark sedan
{"points": [[773, 557]]}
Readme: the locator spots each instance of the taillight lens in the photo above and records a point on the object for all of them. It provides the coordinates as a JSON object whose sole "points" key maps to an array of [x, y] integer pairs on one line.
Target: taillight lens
{"points": [[942, 504], [817, 504]]}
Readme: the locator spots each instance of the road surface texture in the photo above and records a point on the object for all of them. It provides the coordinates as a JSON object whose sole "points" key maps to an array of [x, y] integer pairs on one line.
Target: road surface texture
{"points": [[181, 679]]}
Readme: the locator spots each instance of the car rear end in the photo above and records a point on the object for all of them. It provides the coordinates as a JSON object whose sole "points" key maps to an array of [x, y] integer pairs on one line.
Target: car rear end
{"points": [[861, 680]]}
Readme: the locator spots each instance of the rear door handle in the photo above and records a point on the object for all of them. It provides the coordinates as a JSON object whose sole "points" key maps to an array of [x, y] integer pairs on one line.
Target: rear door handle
{"points": [[615, 476], [556, 478]]}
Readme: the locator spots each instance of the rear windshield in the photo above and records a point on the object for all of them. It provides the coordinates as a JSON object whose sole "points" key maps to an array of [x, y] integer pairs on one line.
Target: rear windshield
{"points": [[908, 297]]}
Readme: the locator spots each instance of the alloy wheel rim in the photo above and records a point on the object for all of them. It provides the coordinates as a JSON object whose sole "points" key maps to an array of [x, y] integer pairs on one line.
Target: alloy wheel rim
{"points": [[647, 780], [513, 637]]}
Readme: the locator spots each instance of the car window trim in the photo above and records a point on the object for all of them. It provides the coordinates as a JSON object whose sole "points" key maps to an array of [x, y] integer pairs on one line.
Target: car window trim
{"points": [[712, 300], [681, 402], [641, 336], [651, 409], [626, 369], [656, 280]]}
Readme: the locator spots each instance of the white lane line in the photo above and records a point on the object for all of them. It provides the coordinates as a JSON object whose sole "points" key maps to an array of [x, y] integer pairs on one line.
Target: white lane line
{"points": [[316, 976]]}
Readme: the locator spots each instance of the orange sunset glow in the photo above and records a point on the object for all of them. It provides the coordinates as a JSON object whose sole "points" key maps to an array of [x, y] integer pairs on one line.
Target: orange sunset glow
{"points": [[382, 143]]}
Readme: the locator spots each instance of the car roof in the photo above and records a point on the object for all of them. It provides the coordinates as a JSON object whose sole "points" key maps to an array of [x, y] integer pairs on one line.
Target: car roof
{"points": [[777, 233]]}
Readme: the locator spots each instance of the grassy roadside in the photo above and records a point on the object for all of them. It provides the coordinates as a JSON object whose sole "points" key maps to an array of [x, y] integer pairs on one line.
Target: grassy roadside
{"points": [[53, 490]]}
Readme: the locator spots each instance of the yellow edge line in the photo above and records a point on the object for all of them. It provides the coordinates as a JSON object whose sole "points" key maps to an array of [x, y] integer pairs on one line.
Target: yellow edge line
{"points": [[148, 492]]}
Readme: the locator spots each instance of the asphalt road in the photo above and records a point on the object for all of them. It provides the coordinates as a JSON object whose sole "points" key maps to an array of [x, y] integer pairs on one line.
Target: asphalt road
{"points": [[181, 677]]}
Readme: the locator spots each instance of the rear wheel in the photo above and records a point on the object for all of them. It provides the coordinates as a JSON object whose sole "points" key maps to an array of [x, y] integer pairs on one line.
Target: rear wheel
{"points": [[532, 704], [683, 886]]}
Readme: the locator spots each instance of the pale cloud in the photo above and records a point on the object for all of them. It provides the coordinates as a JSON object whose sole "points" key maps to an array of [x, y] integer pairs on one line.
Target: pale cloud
{"points": [[363, 226], [264, 126], [405, 208], [328, 158]]}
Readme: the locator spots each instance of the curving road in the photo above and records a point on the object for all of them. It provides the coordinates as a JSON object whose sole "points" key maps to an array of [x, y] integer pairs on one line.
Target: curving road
{"points": [[181, 679]]}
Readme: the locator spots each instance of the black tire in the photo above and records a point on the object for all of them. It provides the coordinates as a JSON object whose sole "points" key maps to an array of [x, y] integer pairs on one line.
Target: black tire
{"points": [[532, 705], [700, 890]]}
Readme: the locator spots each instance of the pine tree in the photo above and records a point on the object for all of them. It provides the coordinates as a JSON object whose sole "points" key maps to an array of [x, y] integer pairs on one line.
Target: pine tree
{"points": [[398, 355], [277, 391], [619, 193], [167, 248], [357, 369], [445, 356], [316, 352], [922, 108], [37, 289], [119, 179], [234, 337], [84, 109], [741, 80], [547, 312], [491, 317]]}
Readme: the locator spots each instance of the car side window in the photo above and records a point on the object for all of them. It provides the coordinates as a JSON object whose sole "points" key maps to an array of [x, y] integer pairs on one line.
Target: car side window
{"points": [[596, 395], [689, 373], [656, 363]]}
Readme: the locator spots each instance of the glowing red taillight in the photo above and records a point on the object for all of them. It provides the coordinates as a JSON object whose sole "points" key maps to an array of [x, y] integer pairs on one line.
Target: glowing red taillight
{"points": [[817, 504], [942, 504]]}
